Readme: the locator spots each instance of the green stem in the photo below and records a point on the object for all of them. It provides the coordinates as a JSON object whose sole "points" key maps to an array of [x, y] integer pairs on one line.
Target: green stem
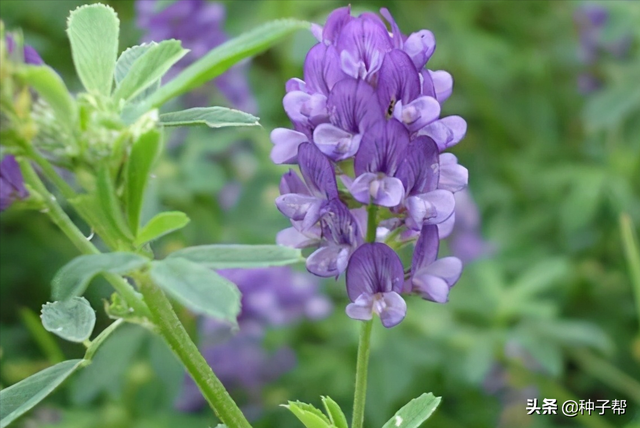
{"points": [[608, 374], [364, 344], [62, 220], [176, 336], [50, 173], [362, 367], [632, 253]]}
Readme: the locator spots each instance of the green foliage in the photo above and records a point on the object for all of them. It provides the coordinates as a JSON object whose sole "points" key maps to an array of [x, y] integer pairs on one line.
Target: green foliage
{"points": [[24, 395], [75, 276], [93, 32], [160, 225], [213, 117], [72, 319], [224, 56], [53, 90], [144, 153], [146, 69], [335, 413], [198, 288], [309, 415], [227, 256], [415, 412]]}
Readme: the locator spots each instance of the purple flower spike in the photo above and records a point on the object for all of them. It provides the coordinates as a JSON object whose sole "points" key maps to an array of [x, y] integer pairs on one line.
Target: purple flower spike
{"points": [[374, 282], [341, 236], [11, 182], [430, 278]]}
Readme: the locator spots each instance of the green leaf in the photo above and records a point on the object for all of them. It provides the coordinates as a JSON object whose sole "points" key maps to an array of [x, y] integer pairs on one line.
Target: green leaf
{"points": [[124, 63], [72, 319], [160, 225], [220, 59], [74, 277], [149, 68], [335, 413], [415, 412], [213, 117], [611, 105], [144, 153], [240, 256], [21, 397], [198, 288], [108, 200], [309, 415], [93, 33], [53, 90]]}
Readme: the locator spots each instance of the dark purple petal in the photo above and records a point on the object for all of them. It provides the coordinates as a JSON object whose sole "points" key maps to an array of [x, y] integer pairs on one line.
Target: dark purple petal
{"points": [[453, 177], [291, 183], [286, 143], [446, 132], [426, 250], [322, 68], [335, 22], [428, 84], [353, 106], [397, 80], [398, 37], [382, 148], [11, 182], [374, 268], [419, 171], [364, 41], [339, 226], [317, 171], [30, 55], [420, 46]]}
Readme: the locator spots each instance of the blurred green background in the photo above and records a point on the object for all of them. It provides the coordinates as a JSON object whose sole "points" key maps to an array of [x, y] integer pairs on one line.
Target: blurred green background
{"points": [[550, 313]]}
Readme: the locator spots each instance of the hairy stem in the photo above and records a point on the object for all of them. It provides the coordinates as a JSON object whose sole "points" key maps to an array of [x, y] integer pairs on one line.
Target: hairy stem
{"points": [[62, 220], [176, 336]]}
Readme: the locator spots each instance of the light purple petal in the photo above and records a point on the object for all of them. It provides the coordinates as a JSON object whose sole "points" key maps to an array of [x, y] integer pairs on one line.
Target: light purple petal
{"points": [[447, 268], [286, 142], [317, 171], [426, 250], [328, 261], [420, 46], [387, 192], [428, 85], [336, 143], [361, 309], [443, 84], [291, 237], [366, 40], [295, 206], [392, 309], [418, 113], [446, 227], [453, 177], [446, 132], [374, 268], [293, 103], [430, 287], [295, 84], [431, 208], [359, 188]]}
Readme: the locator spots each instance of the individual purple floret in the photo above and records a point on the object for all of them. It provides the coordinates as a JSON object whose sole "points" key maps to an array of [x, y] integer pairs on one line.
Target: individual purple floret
{"points": [[271, 298], [368, 111], [374, 283], [11, 182], [30, 55], [198, 24]]}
